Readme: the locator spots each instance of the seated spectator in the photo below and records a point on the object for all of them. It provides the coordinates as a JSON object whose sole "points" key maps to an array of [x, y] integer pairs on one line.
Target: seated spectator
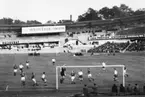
{"points": [[85, 91], [122, 89], [77, 95], [137, 46], [114, 89]]}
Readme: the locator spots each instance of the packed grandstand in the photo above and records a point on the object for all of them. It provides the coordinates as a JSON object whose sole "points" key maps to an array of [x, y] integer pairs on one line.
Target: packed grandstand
{"points": [[76, 38]]}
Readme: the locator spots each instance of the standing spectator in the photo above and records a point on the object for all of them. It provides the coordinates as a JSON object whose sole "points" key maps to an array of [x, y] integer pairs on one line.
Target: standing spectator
{"points": [[95, 89], [144, 89], [114, 89], [136, 89], [122, 89], [85, 91], [129, 89], [92, 53]]}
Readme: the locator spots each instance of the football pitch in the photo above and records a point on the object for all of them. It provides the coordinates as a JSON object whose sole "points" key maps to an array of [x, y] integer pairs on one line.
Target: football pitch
{"points": [[134, 61]]}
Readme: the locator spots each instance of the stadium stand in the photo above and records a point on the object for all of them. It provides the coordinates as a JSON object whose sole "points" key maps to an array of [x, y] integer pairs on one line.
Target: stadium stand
{"points": [[133, 31], [6, 34]]}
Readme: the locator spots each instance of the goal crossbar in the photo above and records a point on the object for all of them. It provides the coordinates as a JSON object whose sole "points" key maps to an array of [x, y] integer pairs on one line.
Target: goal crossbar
{"points": [[81, 66], [90, 66]]}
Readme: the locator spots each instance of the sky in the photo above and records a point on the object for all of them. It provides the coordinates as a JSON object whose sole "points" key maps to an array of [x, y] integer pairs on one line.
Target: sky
{"points": [[55, 10]]}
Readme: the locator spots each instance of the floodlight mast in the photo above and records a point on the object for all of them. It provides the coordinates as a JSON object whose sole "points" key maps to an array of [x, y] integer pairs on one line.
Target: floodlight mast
{"points": [[109, 66]]}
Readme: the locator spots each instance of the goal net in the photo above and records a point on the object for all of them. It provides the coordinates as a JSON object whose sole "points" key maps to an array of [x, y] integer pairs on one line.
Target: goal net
{"points": [[102, 78]]}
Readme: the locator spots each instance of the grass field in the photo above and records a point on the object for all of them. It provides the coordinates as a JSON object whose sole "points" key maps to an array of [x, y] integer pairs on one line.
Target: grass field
{"points": [[135, 63]]}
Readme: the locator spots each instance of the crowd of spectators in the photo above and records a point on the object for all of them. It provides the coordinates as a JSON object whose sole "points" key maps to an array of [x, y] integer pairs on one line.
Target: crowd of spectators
{"points": [[29, 47], [137, 46], [116, 90], [128, 90], [118, 47], [109, 47]]}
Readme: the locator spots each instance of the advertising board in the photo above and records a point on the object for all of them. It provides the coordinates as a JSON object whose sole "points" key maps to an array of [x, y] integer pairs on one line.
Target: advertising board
{"points": [[43, 29]]}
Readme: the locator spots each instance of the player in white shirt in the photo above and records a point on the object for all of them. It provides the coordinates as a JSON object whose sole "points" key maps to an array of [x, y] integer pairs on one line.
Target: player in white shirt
{"points": [[115, 74], [21, 67], [27, 64], [53, 61], [125, 73], [43, 77], [104, 66], [80, 74]]}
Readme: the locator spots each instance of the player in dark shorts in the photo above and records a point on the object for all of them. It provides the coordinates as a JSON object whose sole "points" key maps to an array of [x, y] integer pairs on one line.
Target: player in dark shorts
{"points": [[21, 67], [23, 79], [125, 72], [104, 66], [53, 61], [15, 69], [62, 73], [73, 75], [43, 77], [27, 64], [90, 78], [34, 80], [115, 74], [80, 74]]}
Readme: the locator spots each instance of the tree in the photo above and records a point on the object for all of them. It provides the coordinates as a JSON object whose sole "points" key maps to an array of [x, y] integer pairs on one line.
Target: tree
{"points": [[139, 12], [18, 22], [9, 21], [6, 21], [1, 21], [91, 14], [49, 22], [117, 12], [33, 22], [125, 10], [106, 12]]}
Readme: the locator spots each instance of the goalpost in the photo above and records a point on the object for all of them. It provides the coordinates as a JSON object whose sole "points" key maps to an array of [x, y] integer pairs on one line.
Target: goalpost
{"points": [[58, 67]]}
